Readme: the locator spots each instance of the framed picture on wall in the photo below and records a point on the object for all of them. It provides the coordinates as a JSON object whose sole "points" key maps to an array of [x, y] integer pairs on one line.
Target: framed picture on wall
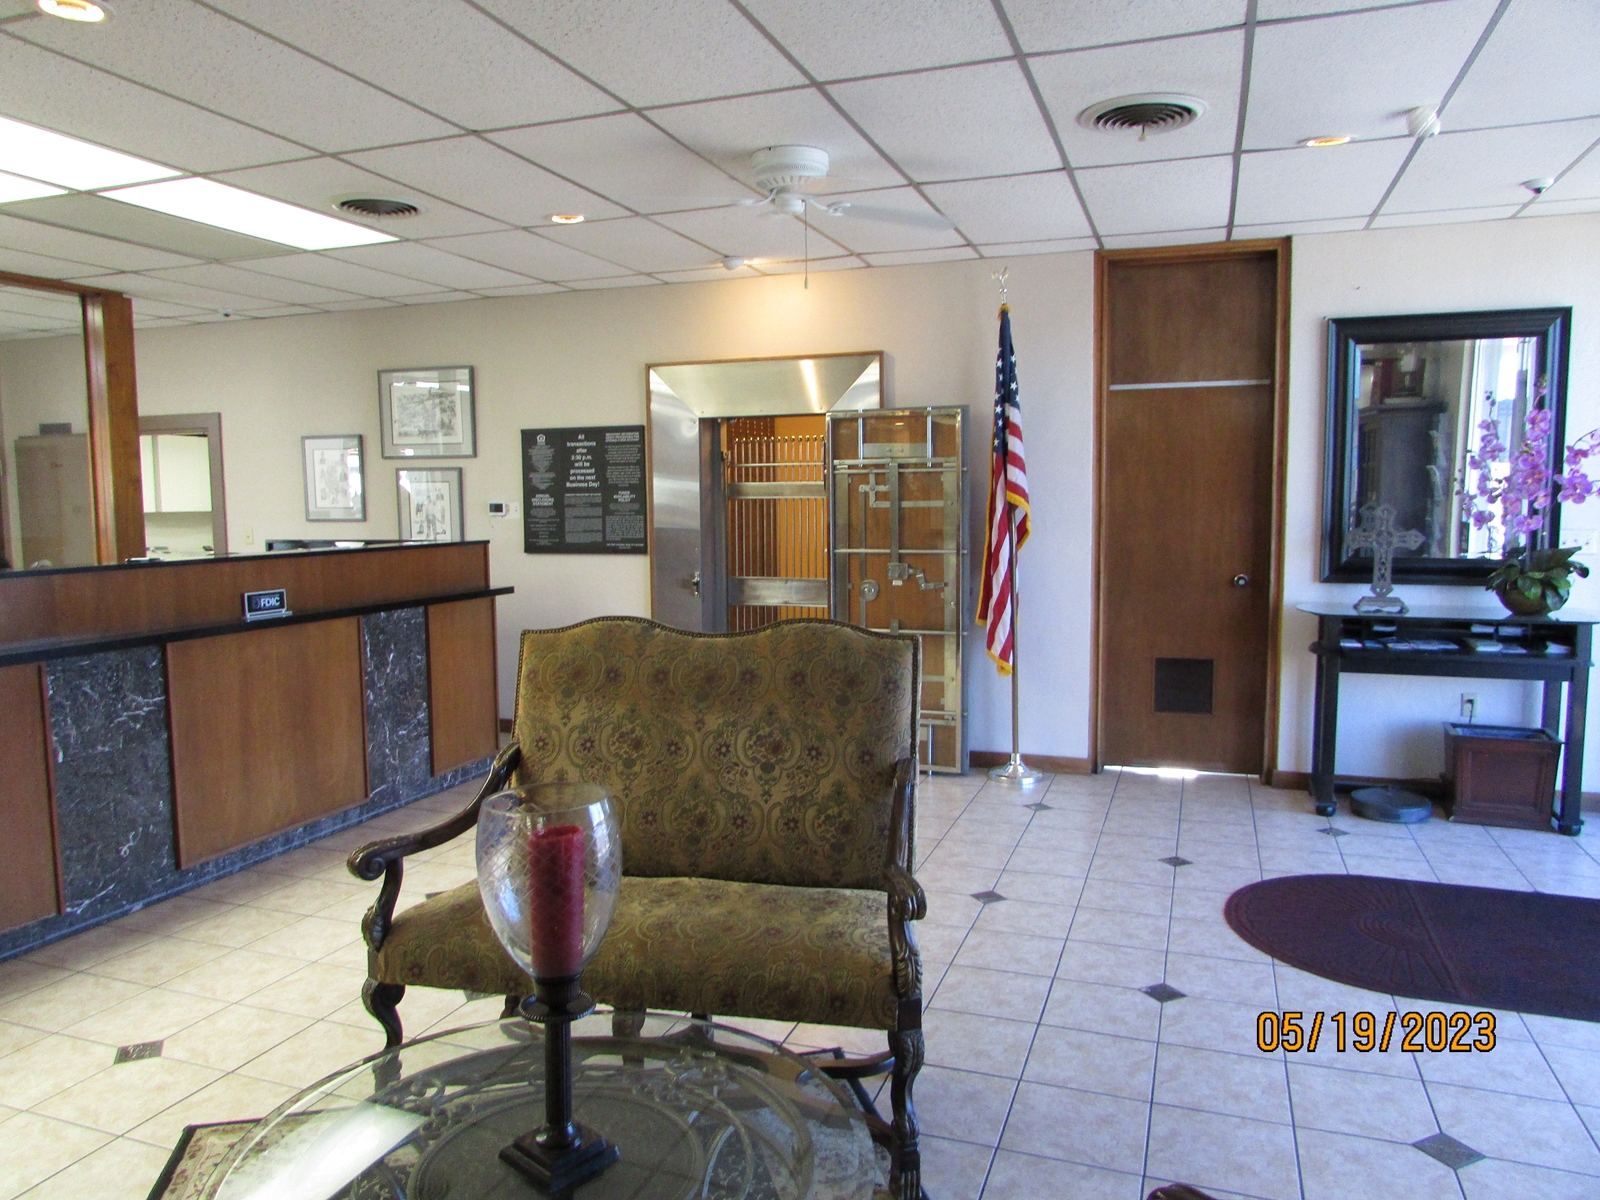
{"points": [[430, 504], [334, 482], [427, 412]]}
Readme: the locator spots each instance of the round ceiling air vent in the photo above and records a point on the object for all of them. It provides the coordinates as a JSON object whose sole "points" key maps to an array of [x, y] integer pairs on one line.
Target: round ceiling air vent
{"points": [[1148, 112], [371, 206]]}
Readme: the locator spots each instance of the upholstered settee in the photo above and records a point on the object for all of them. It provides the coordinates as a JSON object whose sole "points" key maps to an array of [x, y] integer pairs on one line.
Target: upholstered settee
{"points": [[765, 788]]}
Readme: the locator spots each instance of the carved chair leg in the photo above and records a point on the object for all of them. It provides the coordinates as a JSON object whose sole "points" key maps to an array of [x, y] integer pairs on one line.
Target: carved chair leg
{"points": [[381, 1000], [513, 1006], [626, 1024], [905, 1179]]}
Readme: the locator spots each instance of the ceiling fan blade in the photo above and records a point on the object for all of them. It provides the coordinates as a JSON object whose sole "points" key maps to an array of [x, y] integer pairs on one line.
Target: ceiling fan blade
{"points": [[890, 216]]}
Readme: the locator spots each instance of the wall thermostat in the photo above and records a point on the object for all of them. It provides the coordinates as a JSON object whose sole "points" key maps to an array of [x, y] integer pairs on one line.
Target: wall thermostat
{"points": [[502, 508]]}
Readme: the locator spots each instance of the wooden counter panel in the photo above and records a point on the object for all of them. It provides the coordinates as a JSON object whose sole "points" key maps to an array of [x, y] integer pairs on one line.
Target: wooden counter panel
{"points": [[28, 878], [267, 733], [463, 697], [155, 599]]}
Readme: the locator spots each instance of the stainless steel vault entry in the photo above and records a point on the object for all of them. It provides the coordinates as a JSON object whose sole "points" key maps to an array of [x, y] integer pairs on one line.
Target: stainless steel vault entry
{"points": [[688, 402], [898, 509]]}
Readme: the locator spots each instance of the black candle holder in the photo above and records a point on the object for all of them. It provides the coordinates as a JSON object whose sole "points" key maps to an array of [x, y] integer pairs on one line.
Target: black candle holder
{"points": [[562, 1154]]}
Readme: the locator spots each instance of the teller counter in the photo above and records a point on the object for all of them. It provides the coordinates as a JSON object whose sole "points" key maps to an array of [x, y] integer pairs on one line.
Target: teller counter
{"points": [[153, 739]]}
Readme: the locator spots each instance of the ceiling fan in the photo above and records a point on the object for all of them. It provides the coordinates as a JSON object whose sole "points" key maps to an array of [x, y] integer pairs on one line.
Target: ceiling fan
{"points": [[783, 173]]}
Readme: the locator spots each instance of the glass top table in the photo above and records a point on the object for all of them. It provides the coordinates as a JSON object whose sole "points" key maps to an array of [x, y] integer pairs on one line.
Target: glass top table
{"points": [[697, 1109]]}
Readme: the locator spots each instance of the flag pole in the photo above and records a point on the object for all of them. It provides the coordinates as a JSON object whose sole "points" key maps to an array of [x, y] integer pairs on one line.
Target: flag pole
{"points": [[1016, 771]]}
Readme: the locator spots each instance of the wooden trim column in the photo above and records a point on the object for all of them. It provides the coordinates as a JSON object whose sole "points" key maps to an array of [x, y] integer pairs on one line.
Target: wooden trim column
{"points": [[113, 426]]}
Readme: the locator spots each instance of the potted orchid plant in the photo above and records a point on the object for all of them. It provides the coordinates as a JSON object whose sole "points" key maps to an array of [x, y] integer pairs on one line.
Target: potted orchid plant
{"points": [[1529, 581]]}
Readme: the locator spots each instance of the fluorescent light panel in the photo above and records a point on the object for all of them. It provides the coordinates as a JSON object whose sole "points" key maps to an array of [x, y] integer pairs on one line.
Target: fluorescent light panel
{"points": [[212, 203], [15, 187], [68, 162]]}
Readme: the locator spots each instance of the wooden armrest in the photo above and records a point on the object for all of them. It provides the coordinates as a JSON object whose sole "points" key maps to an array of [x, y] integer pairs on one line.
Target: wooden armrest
{"points": [[386, 856], [907, 902]]}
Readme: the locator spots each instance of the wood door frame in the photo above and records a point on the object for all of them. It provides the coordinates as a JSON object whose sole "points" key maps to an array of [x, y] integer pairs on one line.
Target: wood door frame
{"points": [[1279, 249]]}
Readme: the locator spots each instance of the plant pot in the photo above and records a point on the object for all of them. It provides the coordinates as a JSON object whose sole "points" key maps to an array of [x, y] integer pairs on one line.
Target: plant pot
{"points": [[1524, 605]]}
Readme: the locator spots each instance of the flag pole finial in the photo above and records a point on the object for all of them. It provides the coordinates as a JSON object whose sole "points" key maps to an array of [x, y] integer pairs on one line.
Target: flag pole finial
{"points": [[1000, 277]]}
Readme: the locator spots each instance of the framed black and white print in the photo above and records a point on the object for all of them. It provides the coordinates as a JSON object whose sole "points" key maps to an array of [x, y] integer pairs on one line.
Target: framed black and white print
{"points": [[427, 412], [334, 483], [430, 504]]}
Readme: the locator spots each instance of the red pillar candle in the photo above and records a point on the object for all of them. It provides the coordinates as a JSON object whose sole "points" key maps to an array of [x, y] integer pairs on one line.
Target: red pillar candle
{"points": [[555, 908]]}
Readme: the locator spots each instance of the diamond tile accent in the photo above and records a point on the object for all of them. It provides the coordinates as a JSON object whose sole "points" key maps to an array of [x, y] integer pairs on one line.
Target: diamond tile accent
{"points": [[1332, 832], [1040, 806], [1177, 860], [133, 1053], [990, 897], [1163, 992], [1448, 1150]]}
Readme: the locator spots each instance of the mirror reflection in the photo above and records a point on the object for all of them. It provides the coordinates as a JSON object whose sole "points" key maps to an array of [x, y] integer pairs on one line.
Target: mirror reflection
{"points": [[1419, 412]]}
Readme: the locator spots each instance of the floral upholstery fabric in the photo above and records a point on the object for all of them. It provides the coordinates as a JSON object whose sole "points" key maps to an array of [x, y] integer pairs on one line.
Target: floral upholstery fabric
{"points": [[766, 757], [812, 954]]}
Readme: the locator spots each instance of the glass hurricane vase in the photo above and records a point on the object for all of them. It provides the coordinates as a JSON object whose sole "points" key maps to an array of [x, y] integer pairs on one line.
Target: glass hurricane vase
{"points": [[549, 867]]}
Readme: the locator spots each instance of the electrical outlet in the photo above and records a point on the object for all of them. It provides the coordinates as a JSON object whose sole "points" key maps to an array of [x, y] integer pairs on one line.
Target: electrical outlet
{"points": [[249, 537], [1469, 706]]}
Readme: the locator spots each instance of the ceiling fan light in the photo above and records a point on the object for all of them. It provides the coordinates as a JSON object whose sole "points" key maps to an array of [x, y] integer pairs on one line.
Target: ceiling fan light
{"points": [[84, 11], [566, 218], [732, 262], [1332, 139]]}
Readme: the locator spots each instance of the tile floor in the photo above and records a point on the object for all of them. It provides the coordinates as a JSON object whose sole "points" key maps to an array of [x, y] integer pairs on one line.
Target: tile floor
{"points": [[1052, 1070]]}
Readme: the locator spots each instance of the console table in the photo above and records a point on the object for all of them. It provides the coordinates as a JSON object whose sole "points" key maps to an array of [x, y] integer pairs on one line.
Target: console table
{"points": [[1554, 650]]}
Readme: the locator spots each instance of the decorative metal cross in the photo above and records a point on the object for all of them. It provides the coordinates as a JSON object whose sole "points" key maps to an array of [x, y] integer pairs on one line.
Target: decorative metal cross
{"points": [[1378, 533]]}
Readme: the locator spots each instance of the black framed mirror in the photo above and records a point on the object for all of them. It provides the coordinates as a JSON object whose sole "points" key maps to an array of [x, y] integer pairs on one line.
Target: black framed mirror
{"points": [[1406, 397]]}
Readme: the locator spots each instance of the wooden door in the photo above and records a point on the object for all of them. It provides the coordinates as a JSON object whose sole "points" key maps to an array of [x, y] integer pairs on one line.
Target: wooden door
{"points": [[1189, 374]]}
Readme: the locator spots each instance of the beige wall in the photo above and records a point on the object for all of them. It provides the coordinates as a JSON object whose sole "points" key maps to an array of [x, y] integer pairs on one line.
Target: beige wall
{"points": [[579, 358], [42, 380]]}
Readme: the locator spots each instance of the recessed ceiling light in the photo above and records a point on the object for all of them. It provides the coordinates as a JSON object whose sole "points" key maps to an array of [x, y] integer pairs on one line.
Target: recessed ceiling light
{"points": [[69, 163], [225, 207], [14, 187], [1330, 140], [75, 10], [566, 218]]}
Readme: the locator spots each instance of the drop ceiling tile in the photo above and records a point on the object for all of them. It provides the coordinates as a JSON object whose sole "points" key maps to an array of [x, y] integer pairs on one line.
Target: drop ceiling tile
{"points": [[627, 159], [1243, 233], [1357, 74], [429, 53], [438, 298], [1209, 66], [750, 233], [355, 305], [1306, 184], [21, 262], [1021, 208], [124, 116], [861, 233], [636, 243], [1580, 182], [342, 276], [317, 183], [709, 275], [1156, 197], [899, 257], [1068, 24], [285, 310], [145, 307], [1046, 246], [428, 263], [252, 283], [616, 281], [529, 254], [958, 123], [729, 131], [191, 295], [1278, 10], [527, 289], [36, 237], [1538, 65], [1453, 216], [1172, 237], [199, 55], [1562, 208], [839, 38], [477, 175], [797, 266], [654, 51], [1484, 167], [46, 305], [129, 222]]}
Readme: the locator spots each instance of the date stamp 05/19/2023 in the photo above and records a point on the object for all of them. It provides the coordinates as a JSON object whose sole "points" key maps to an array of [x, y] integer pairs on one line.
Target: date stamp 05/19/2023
{"points": [[1364, 1032]]}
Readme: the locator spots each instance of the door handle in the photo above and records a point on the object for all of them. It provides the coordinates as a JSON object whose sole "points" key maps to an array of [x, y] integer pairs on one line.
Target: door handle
{"points": [[1241, 581]]}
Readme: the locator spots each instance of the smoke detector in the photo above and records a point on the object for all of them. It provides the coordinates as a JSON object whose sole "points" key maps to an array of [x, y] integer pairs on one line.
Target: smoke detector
{"points": [[372, 206], [1148, 112]]}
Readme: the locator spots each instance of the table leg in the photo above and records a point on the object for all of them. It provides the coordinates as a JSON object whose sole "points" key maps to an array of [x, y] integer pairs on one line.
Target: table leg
{"points": [[1324, 732], [1569, 816]]}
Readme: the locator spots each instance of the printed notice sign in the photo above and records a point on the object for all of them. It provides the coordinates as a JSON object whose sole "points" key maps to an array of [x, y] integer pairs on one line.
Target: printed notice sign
{"points": [[583, 490]]}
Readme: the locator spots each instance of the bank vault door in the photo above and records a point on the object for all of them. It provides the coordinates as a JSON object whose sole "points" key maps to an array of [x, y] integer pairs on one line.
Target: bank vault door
{"points": [[776, 519], [899, 520]]}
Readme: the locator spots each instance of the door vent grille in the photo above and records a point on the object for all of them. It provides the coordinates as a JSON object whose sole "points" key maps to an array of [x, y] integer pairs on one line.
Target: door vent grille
{"points": [[1183, 685]]}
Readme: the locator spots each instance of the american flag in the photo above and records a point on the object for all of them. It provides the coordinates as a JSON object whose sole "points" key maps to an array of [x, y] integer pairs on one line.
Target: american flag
{"points": [[1008, 505]]}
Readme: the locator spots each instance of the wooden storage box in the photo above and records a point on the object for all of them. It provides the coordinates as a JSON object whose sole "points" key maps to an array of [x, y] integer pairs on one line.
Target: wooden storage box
{"points": [[1500, 775]]}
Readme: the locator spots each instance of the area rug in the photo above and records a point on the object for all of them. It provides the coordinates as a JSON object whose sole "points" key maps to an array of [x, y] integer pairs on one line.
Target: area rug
{"points": [[195, 1157], [1472, 946]]}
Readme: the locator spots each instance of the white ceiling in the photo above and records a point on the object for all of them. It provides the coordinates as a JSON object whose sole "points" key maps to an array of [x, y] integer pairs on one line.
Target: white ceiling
{"points": [[492, 114]]}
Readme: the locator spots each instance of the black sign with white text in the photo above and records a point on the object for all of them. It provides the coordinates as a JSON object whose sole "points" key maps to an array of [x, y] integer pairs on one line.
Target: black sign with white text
{"points": [[583, 490]]}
